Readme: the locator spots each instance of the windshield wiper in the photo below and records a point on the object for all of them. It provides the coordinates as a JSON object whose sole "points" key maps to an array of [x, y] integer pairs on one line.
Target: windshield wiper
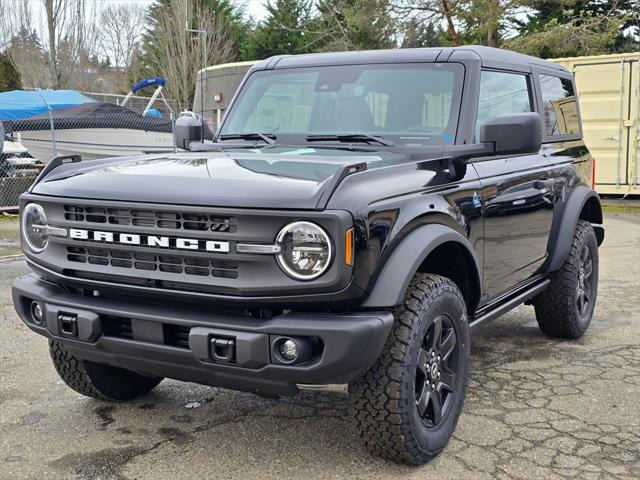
{"points": [[267, 138], [350, 137]]}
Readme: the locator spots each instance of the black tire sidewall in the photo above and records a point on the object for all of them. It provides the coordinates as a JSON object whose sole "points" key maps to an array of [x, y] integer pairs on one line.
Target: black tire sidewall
{"points": [[433, 439], [589, 239]]}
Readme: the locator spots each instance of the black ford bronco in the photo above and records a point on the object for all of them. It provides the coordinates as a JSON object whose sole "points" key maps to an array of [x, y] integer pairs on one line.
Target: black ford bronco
{"points": [[356, 216]]}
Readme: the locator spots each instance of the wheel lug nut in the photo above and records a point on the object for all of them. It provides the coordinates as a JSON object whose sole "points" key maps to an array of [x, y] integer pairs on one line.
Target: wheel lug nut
{"points": [[438, 357]]}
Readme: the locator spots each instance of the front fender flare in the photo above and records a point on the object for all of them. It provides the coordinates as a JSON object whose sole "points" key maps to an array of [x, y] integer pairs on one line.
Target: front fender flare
{"points": [[403, 263], [562, 235]]}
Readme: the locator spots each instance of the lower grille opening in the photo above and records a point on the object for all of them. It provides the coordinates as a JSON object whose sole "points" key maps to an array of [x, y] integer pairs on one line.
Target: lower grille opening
{"points": [[176, 335], [117, 327], [120, 327]]}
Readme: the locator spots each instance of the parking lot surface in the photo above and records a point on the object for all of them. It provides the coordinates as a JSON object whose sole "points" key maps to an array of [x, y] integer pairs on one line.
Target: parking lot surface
{"points": [[536, 407]]}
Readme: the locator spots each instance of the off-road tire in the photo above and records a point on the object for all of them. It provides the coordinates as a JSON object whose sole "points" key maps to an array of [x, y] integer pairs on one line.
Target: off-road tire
{"points": [[384, 401], [95, 380], [556, 307]]}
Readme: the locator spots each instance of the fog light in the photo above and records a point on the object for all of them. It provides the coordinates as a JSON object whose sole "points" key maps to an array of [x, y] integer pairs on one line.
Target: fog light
{"points": [[37, 313], [289, 350]]}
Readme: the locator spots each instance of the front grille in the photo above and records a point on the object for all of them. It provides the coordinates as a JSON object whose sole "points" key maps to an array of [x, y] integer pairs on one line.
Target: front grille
{"points": [[151, 218], [183, 250], [179, 264]]}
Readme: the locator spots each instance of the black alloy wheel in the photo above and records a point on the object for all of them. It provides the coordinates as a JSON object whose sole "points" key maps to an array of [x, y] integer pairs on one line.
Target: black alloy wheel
{"points": [[585, 284], [436, 371]]}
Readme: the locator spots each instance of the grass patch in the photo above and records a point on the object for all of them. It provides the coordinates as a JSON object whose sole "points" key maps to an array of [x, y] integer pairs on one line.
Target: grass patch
{"points": [[621, 208], [9, 235]]}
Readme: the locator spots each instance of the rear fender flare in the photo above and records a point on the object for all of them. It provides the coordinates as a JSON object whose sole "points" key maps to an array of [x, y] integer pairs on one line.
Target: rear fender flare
{"points": [[403, 263], [562, 235]]}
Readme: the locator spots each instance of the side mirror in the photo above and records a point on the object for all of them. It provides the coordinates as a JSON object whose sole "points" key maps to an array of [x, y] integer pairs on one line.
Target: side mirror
{"points": [[188, 129], [513, 133]]}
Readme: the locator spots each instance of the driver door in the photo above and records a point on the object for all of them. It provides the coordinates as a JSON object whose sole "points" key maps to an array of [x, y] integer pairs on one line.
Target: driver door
{"points": [[517, 193]]}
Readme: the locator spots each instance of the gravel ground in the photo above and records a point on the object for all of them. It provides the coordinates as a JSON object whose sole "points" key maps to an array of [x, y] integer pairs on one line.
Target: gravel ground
{"points": [[536, 407]]}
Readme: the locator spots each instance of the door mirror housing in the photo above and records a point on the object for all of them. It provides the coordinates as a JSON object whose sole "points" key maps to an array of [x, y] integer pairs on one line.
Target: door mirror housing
{"points": [[513, 133], [188, 129]]}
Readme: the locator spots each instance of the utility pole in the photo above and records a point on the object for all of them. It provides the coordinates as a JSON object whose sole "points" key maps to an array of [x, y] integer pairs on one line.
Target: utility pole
{"points": [[203, 39]]}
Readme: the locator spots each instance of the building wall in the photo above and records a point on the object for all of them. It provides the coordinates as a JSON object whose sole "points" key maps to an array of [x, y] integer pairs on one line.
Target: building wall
{"points": [[219, 80], [609, 93]]}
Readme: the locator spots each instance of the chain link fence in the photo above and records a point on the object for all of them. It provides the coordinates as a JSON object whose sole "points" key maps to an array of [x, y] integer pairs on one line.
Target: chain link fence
{"points": [[35, 132], [135, 102]]}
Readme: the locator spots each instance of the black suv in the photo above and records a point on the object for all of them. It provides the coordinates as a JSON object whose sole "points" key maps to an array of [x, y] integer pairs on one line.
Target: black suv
{"points": [[355, 218]]}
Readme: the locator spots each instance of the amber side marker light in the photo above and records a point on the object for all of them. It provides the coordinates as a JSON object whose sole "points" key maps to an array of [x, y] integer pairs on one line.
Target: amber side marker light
{"points": [[348, 255]]}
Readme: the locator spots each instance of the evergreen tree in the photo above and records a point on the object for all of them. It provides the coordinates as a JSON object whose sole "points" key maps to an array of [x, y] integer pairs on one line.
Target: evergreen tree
{"points": [[9, 76], [286, 29], [594, 27], [421, 35], [355, 25]]}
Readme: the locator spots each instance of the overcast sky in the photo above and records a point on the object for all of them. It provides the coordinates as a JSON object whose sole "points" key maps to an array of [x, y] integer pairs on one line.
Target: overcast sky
{"points": [[255, 8]]}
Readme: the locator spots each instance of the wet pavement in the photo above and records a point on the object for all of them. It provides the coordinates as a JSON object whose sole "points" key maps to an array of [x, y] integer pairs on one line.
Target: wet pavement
{"points": [[536, 407]]}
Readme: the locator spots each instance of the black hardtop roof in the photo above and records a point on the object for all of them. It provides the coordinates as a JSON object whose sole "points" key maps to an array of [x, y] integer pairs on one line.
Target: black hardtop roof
{"points": [[490, 58]]}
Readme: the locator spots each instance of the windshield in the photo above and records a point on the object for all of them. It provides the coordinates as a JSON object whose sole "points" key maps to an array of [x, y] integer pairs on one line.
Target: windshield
{"points": [[408, 104]]}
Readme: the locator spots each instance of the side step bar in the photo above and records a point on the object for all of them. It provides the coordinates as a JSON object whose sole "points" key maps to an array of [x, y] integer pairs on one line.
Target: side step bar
{"points": [[508, 304]]}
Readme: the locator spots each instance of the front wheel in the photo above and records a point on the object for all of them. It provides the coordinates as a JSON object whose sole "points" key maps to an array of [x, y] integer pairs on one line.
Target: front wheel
{"points": [[407, 405], [96, 380]]}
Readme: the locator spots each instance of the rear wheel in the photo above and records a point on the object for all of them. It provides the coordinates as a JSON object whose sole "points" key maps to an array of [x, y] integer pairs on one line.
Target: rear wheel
{"points": [[566, 306], [407, 405], [96, 380]]}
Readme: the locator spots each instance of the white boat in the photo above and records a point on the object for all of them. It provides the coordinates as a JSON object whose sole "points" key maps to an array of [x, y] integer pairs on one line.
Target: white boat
{"points": [[96, 130], [93, 143]]}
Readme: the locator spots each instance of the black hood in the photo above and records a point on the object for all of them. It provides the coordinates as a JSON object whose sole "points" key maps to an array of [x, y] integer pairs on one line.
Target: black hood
{"points": [[280, 177]]}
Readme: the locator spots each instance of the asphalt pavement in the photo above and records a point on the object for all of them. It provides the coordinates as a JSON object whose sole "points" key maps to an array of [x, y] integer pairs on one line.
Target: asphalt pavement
{"points": [[536, 408]]}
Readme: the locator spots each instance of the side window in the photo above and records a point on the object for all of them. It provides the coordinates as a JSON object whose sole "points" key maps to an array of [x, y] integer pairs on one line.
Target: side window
{"points": [[501, 93], [559, 103]]}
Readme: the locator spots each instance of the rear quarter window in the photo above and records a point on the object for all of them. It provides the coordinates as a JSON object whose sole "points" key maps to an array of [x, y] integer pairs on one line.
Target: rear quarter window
{"points": [[560, 110]]}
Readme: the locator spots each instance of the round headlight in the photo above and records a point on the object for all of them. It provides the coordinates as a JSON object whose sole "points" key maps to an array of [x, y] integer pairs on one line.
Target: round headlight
{"points": [[34, 227], [305, 250]]}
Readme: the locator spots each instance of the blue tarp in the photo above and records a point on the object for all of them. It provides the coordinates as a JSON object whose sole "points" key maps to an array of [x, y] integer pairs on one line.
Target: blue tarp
{"points": [[19, 104]]}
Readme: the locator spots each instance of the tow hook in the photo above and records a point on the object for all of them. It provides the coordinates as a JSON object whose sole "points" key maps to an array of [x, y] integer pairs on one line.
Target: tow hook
{"points": [[223, 350], [68, 324]]}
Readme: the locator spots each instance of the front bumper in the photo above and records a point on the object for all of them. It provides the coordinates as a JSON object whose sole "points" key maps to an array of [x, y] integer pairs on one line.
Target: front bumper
{"points": [[176, 342]]}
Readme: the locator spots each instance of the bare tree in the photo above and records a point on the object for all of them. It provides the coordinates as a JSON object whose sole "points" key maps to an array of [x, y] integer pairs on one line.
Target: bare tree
{"points": [[177, 54], [121, 29], [429, 11], [71, 41]]}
